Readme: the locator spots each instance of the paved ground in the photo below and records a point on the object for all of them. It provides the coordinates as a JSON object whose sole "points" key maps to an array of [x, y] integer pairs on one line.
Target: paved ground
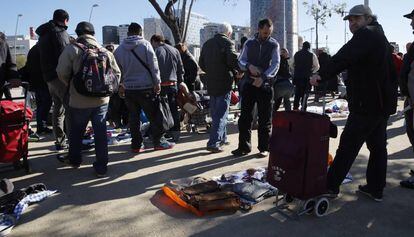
{"points": [[129, 203]]}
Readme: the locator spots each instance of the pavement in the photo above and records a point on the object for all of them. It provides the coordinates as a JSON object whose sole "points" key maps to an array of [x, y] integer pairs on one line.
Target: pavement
{"points": [[129, 201]]}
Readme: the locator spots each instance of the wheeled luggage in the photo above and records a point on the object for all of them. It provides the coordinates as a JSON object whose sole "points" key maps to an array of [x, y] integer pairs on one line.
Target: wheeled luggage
{"points": [[14, 130]]}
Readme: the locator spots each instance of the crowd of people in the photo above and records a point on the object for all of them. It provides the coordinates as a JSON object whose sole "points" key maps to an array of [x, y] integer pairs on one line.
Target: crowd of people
{"points": [[145, 72]]}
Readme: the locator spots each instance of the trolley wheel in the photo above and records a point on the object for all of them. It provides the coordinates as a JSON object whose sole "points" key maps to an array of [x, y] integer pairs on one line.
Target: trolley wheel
{"points": [[26, 166], [309, 205], [288, 199], [321, 207]]}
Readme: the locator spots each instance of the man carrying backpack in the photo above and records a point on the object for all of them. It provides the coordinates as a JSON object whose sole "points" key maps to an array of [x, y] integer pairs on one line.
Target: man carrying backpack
{"points": [[87, 61], [140, 84]]}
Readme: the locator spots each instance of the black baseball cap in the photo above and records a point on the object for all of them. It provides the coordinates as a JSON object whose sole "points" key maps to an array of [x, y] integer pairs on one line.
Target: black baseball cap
{"points": [[409, 15]]}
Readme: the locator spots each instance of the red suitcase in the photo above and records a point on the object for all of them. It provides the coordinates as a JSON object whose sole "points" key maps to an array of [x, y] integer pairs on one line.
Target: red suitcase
{"points": [[299, 147], [14, 131]]}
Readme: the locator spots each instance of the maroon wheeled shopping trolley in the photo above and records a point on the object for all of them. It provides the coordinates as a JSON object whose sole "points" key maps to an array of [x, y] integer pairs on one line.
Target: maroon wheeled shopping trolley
{"points": [[14, 130], [299, 149]]}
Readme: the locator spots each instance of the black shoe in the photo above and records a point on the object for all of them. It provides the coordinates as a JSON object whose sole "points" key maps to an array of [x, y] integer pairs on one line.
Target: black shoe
{"points": [[214, 149], [61, 147], [100, 175], [226, 143], [240, 152], [408, 183], [65, 160], [376, 196]]}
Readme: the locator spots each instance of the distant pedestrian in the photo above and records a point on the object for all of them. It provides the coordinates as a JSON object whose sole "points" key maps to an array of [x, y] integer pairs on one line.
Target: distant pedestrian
{"points": [[219, 60], [283, 88], [372, 98], [304, 64], [84, 107], [140, 84], [53, 38], [260, 60], [8, 68], [172, 78]]}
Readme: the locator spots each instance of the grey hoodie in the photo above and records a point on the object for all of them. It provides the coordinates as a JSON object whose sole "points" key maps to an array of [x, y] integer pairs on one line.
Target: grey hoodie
{"points": [[134, 75]]}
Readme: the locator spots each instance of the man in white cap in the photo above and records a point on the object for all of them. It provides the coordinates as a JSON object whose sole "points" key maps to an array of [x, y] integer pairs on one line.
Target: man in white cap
{"points": [[372, 97]]}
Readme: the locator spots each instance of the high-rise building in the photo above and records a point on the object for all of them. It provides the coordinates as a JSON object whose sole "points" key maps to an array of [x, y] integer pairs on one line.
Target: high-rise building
{"points": [[110, 35], [196, 23], [157, 26], [122, 32], [283, 13], [238, 33]]}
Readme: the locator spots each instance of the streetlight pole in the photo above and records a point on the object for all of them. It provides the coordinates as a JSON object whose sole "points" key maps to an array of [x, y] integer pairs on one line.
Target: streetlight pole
{"points": [[93, 6], [284, 25], [366, 3], [15, 35]]}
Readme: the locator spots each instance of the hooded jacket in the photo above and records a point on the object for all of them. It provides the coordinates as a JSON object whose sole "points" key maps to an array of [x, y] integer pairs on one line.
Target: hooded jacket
{"points": [[134, 75], [53, 38], [372, 78], [70, 62], [8, 69]]}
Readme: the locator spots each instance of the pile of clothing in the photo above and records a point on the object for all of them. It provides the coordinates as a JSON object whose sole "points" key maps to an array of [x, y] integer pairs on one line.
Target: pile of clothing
{"points": [[335, 109], [14, 202], [228, 192]]}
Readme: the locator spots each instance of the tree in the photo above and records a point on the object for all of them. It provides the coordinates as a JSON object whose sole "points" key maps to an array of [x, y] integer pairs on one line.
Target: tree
{"points": [[177, 24], [321, 11]]}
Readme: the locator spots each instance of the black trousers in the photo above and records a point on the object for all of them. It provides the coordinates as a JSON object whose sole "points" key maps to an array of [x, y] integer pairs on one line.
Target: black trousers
{"points": [[409, 127], [359, 129], [149, 102], [263, 97], [171, 93], [299, 96], [117, 111]]}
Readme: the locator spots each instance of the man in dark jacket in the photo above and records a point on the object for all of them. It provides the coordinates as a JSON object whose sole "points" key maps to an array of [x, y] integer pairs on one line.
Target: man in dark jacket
{"points": [[283, 88], [33, 74], [407, 89], [190, 67], [219, 60], [305, 63], [8, 68], [171, 71], [52, 40], [260, 60], [372, 98]]}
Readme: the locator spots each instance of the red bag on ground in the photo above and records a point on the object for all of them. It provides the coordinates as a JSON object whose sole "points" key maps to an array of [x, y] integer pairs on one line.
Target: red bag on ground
{"points": [[299, 148], [13, 131], [234, 99]]}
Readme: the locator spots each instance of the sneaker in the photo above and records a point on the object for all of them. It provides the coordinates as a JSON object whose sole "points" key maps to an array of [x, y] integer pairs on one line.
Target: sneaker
{"points": [[164, 146], [61, 147], [226, 143], [214, 149], [240, 152], [100, 175], [263, 154], [138, 150], [376, 196], [34, 137], [65, 160]]}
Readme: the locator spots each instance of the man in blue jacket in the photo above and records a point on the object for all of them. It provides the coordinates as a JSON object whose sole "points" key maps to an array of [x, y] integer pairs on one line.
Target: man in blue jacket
{"points": [[260, 60]]}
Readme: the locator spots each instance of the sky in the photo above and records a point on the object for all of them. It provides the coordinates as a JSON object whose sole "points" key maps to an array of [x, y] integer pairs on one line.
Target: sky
{"points": [[237, 12]]}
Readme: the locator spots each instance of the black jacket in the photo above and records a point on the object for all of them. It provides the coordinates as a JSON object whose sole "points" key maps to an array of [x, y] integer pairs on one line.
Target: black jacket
{"points": [[53, 39], [405, 70], [32, 72], [303, 67], [284, 71], [372, 79], [218, 59], [332, 85], [190, 69], [8, 68]]}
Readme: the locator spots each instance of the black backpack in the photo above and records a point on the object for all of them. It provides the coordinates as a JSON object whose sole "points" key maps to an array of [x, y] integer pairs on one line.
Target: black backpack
{"points": [[95, 77]]}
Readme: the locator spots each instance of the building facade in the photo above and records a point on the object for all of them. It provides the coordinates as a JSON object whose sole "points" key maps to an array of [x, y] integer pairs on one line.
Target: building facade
{"points": [[285, 19], [196, 23], [110, 35], [23, 44], [210, 29], [157, 26], [122, 32]]}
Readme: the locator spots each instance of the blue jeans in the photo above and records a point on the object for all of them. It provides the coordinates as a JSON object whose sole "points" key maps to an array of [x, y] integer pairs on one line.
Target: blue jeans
{"points": [[79, 119], [219, 109]]}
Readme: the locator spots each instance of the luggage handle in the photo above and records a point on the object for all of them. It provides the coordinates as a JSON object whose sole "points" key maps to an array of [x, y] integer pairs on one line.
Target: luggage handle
{"points": [[25, 86]]}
